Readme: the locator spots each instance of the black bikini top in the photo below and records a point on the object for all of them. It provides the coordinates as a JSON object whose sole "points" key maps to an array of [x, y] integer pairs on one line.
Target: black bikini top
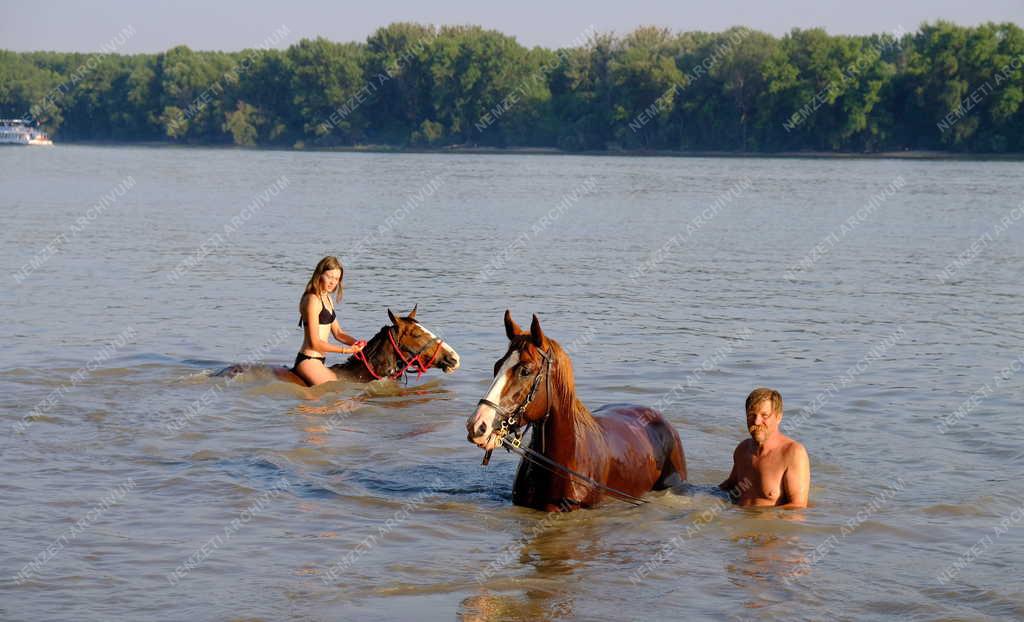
{"points": [[326, 317]]}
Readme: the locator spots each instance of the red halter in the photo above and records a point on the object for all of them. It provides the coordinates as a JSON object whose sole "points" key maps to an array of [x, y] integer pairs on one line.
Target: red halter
{"points": [[420, 368]]}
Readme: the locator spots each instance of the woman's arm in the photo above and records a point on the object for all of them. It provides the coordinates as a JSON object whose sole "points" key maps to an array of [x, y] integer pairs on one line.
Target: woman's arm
{"points": [[339, 334], [311, 317]]}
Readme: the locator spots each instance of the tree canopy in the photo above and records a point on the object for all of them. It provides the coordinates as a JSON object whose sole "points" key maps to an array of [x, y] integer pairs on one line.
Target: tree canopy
{"points": [[942, 87]]}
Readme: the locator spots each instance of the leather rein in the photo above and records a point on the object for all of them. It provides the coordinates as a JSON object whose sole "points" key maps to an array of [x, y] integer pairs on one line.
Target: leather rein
{"points": [[413, 363]]}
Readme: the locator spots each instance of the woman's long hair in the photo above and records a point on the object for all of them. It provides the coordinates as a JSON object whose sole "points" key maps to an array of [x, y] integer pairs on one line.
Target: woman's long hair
{"points": [[327, 263]]}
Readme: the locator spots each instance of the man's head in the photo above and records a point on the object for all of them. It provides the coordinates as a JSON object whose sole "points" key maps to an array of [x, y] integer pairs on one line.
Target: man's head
{"points": [[764, 413]]}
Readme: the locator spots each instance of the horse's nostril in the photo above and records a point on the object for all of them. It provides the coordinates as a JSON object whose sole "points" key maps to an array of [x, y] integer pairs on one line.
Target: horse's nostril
{"points": [[480, 429]]}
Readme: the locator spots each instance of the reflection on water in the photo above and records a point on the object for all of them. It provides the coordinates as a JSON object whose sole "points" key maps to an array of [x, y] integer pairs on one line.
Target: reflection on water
{"points": [[388, 464], [534, 604], [546, 555], [769, 558]]}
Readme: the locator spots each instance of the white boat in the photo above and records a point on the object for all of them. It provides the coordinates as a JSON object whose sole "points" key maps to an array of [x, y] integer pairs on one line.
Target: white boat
{"points": [[21, 132]]}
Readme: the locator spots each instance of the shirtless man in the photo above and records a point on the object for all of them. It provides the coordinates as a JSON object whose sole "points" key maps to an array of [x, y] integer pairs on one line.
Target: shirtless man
{"points": [[773, 467]]}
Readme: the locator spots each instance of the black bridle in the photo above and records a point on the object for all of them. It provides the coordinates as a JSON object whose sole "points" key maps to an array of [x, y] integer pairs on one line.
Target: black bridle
{"points": [[514, 421], [514, 425]]}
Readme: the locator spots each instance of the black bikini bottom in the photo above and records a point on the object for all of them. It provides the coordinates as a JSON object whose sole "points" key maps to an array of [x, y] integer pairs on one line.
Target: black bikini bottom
{"points": [[303, 357]]}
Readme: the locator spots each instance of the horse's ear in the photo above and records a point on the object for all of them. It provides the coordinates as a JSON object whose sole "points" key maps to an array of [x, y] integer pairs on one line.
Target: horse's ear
{"points": [[511, 328], [412, 314], [536, 333], [391, 316]]}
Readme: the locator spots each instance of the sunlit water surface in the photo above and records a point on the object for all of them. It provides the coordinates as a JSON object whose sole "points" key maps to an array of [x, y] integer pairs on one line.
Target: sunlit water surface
{"points": [[146, 489]]}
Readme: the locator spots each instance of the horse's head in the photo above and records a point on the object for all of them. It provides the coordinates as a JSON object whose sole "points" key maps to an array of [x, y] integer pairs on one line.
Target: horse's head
{"points": [[415, 340], [519, 394]]}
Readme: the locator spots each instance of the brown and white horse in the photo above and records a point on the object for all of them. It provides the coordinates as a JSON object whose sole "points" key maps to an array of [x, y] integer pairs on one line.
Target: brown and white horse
{"points": [[625, 448], [403, 346]]}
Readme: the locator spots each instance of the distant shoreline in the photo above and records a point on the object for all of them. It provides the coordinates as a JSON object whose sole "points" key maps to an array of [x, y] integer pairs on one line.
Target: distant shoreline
{"points": [[640, 153]]}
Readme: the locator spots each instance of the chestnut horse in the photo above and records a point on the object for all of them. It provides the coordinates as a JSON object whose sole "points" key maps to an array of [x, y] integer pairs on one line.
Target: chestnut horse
{"points": [[623, 452], [404, 345]]}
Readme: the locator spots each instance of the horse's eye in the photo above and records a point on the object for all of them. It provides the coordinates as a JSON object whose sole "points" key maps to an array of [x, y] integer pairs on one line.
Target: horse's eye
{"points": [[524, 371]]}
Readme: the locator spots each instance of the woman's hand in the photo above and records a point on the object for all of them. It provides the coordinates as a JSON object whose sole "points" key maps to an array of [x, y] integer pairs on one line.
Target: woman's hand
{"points": [[357, 347]]}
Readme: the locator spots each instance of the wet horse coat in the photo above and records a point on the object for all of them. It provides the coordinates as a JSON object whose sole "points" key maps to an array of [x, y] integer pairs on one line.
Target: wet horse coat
{"points": [[630, 448]]}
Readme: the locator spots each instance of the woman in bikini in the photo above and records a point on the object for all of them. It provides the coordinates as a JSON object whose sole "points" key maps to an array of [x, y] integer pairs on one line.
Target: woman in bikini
{"points": [[316, 312]]}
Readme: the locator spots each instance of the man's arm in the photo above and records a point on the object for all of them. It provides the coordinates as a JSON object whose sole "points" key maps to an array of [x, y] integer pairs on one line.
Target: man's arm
{"points": [[730, 482], [796, 481]]}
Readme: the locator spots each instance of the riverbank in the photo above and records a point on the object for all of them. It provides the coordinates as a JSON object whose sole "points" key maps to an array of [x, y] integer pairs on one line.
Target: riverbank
{"points": [[641, 153]]}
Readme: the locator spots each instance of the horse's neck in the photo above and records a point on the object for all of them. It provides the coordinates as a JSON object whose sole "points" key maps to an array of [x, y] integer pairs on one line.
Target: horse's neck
{"points": [[378, 351], [570, 436], [569, 429]]}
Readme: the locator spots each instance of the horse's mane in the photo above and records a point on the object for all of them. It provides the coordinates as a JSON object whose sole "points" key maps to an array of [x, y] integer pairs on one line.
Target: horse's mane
{"points": [[371, 350], [375, 343], [565, 390]]}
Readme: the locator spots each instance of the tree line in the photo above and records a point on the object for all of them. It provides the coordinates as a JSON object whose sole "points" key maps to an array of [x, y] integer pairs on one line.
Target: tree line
{"points": [[941, 87]]}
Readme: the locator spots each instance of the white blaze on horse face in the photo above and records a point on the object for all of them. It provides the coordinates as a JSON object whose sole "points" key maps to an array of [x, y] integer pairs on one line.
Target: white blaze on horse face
{"points": [[487, 415], [447, 349]]}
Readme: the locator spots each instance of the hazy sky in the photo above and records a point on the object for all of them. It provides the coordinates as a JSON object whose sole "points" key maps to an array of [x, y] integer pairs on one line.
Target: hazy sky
{"points": [[237, 24]]}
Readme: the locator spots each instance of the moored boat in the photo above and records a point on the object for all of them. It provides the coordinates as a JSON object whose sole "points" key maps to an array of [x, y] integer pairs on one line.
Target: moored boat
{"points": [[21, 132]]}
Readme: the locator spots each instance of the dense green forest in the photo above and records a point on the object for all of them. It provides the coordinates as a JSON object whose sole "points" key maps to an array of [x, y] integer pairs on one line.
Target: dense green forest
{"points": [[944, 87]]}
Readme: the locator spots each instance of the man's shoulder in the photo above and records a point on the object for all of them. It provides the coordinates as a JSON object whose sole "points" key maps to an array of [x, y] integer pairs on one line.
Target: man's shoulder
{"points": [[794, 449], [743, 446]]}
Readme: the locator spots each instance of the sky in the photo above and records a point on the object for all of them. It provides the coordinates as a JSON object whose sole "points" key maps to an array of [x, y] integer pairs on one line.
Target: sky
{"points": [[157, 25]]}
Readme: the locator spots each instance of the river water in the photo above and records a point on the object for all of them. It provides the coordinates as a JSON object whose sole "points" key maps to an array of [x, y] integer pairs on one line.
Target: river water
{"points": [[883, 298]]}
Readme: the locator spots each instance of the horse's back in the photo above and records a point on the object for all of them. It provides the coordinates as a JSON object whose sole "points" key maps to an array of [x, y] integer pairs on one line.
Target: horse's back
{"points": [[627, 426], [230, 371], [279, 372], [632, 415]]}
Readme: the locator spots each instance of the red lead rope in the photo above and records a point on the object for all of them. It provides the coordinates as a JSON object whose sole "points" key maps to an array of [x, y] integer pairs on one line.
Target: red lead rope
{"points": [[420, 367]]}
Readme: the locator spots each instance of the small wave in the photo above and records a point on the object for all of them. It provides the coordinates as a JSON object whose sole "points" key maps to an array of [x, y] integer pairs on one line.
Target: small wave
{"points": [[977, 507], [462, 479]]}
